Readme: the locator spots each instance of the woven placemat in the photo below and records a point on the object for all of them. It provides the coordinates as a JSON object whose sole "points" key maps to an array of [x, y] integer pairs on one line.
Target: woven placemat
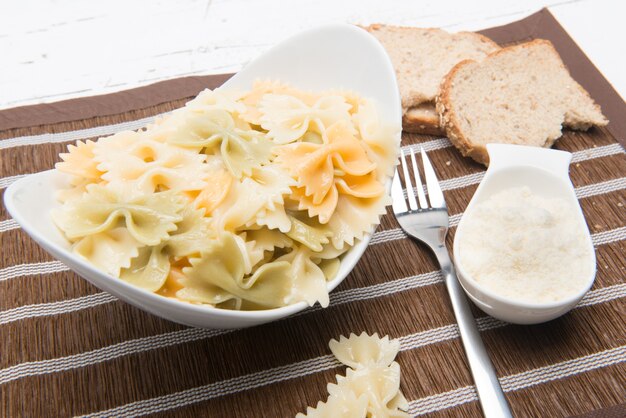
{"points": [[67, 348]]}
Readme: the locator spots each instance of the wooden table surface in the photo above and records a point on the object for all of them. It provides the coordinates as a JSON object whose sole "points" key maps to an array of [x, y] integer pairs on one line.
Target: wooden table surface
{"points": [[57, 49]]}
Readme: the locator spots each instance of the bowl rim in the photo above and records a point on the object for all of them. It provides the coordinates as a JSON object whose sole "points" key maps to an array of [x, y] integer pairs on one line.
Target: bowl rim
{"points": [[53, 247]]}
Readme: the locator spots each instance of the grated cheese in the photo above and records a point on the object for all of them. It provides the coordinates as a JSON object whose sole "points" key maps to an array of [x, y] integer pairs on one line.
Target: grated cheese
{"points": [[526, 247]]}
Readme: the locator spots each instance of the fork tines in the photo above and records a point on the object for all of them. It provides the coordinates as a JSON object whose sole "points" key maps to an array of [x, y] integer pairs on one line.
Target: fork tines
{"points": [[435, 195]]}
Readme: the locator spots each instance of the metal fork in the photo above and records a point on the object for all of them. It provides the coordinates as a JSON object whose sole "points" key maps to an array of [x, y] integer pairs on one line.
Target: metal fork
{"points": [[429, 224]]}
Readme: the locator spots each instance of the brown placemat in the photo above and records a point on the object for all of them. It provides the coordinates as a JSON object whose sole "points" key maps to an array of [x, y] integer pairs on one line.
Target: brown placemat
{"points": [[68, 348]]}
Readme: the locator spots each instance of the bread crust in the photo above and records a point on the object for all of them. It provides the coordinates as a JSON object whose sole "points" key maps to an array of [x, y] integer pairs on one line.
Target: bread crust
{"points": [[449, 122], [422, 123], [449, 116]]}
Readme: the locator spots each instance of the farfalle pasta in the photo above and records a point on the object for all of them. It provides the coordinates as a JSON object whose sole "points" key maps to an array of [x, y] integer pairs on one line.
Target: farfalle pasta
{"points": [[239, 199], [371, 386]]}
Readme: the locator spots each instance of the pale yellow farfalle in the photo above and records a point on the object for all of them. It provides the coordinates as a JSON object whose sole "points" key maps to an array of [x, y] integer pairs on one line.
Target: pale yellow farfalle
{"points": [[308, 280], [219, 98], [329, 259], [150, 166], [218, 275], [260, 88], [256, 200], [253, 254], [330, 267], [218, 182], [79, 162], [214, 131], [354, 217], [109, 250], [371, 386], [344, 404], [364, 350], [382, 139], [264, 240], [151, 268], [379, 384], [323, 171], [149, 218], [287, 118], [76, 188], [351, 97], [308, 232], [193, 234]]}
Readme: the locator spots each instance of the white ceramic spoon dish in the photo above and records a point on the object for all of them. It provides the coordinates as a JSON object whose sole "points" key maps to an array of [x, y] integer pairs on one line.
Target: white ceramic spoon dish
{"points": [[330, 57], [545, 173]]}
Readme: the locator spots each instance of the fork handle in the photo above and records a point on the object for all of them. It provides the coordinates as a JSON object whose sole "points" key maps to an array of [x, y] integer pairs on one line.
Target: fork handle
{"points": [[490, 393]]}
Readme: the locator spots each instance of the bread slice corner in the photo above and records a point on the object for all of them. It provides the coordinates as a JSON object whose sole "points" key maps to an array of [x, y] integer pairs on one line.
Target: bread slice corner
{"points": [[422, 119], [423, 56]]}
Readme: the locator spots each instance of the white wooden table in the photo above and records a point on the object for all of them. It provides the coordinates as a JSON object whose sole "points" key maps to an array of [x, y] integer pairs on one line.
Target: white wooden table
{"points": [[58, 49]]}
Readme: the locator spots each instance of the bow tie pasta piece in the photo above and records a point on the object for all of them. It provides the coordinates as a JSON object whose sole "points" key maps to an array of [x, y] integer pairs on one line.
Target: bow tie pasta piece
{"points": [[244, 151], [268, 239], [149, 269], [352, 98], [220, 98], [217, 185], [309, 281], [364, 349], [286, 118], [77, 187], [193, 234], [382, 139], [149, 219], [272, 185], [358, 186], [198, 127], [176, 123], [177, 169], [371, 375], [355, 217], [330, 267], [343, 405], [79, 162], [308, 232], [256, 200], [110, 250], [214, 131], [321, 168], [218, 275], [262, 87], [260, 244], [149, 165], [381, 386], [365, 186], [329, 259]]}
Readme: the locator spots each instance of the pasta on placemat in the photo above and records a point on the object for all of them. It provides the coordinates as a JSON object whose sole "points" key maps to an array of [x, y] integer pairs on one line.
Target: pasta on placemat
{"points": [[240, 200], [371, 386]]}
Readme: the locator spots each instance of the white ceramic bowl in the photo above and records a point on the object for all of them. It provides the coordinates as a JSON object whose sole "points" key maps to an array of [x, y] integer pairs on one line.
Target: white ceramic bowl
{"points": [[330, 57], [545, 172]]}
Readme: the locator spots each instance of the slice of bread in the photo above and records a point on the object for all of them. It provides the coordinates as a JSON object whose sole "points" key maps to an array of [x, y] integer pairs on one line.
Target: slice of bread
{"points": [[422, 57], [422, 119], [522, 94]]}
